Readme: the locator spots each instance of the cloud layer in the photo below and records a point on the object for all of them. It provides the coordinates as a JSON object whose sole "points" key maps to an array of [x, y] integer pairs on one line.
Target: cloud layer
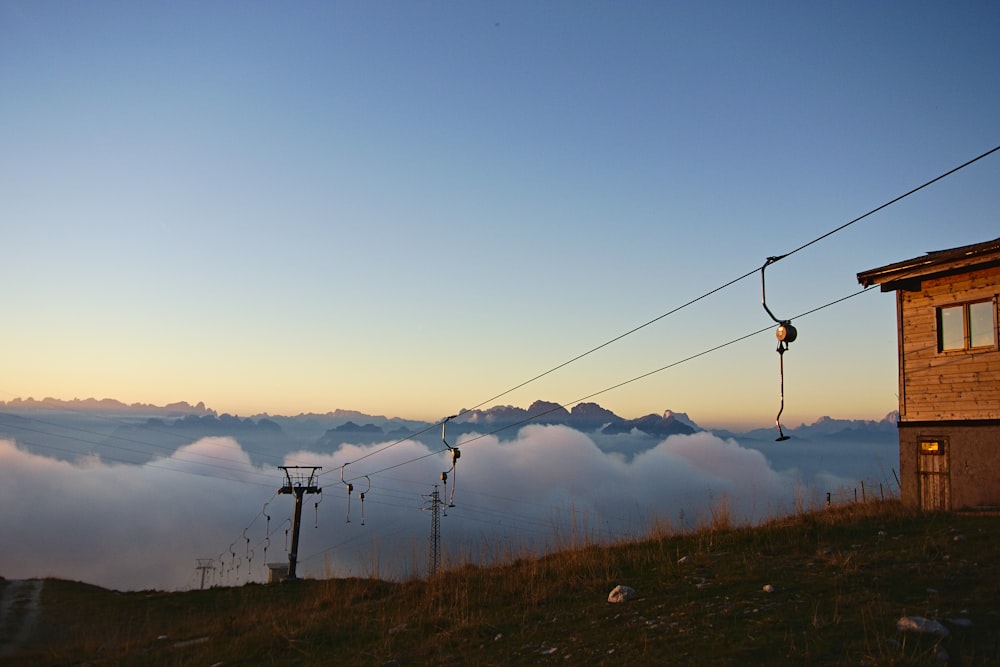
{"points": [[133, 527]]}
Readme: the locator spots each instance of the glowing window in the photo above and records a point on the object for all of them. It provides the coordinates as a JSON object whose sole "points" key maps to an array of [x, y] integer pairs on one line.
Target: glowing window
{"points": [[931, 447]]}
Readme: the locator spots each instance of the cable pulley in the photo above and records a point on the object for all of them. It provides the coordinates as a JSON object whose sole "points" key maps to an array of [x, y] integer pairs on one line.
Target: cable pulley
{"points": [[785, 333]]}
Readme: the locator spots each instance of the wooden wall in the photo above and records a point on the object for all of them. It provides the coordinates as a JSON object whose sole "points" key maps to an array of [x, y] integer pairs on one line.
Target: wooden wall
{"points": [[971, 458], [954, 385]]}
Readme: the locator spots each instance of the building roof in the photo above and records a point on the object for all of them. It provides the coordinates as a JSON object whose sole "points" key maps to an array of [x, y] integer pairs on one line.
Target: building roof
{"points": [[908, 274]]}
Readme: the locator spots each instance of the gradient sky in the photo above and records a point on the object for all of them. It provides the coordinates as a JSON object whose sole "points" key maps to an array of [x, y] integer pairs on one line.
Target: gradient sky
{"points": [[408, 208]]}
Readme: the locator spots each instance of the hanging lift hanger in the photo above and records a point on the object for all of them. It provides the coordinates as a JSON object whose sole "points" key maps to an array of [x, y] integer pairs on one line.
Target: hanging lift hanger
{"points": [[785, 334], [350, 490], [267, 530], [316, 508], [361, 496], [455, 455]]}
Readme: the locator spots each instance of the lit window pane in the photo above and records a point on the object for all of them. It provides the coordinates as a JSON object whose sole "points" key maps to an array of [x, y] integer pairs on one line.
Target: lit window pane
{"points": [[981, 323], [951, 328], [930, 447]]}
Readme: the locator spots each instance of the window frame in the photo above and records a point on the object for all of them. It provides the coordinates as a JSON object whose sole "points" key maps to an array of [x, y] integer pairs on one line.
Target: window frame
{"points": [[967, 321]]}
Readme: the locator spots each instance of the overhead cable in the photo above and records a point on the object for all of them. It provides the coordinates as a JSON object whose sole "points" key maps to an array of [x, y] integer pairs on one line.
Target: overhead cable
{"points": [[563, 406], [735, 280]]}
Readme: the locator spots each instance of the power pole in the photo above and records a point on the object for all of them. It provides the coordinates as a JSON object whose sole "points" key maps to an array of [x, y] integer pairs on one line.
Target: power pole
{"points": [[434, 557], [204, 565], [298, 482]]}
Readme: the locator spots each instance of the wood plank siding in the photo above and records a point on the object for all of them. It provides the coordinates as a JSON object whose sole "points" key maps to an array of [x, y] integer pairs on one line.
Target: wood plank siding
{"points": [[951, 385]]}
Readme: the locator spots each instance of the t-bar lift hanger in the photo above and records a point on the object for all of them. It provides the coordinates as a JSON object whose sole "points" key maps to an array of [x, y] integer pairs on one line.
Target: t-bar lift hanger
{"points": [[786, 334], [350, 490], [455, 455], [361, 495], [316, 509]]}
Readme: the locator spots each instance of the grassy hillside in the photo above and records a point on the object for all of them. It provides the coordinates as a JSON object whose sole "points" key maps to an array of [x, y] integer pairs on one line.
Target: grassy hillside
{"points": [[841, 580]]}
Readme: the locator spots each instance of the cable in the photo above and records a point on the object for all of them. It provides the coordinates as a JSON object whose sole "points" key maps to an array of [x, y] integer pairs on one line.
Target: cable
{"points": [[380, 450], [563, 406], [636, 329], [642, 326], [148, 464], [664, 315], [770, 260], [248, 469], [613, 340], [560, 406], [183, 438], [169, 430], [740, 278], [892, 201], [736, 280]]}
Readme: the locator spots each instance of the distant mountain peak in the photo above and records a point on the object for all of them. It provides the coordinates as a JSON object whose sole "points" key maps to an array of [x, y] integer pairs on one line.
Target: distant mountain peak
{"points": [[680, 417], [107, 405], [652, 424]]}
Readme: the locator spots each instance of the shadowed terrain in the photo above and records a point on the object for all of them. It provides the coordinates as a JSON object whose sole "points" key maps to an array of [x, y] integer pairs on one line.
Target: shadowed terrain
{"points": [[821, 588]]}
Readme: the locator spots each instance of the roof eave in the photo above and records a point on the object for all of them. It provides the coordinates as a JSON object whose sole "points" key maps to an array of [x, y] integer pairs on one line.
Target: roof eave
{"points": [[908, 274]]}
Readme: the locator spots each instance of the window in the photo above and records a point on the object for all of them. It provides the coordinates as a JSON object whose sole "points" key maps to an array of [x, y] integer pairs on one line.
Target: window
{"points": [[931, 447], [966, 326], [981, 324]]}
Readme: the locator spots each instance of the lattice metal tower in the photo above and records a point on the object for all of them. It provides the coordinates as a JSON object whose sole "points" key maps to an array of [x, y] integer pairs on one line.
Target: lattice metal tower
{"points": [[434, 555]]}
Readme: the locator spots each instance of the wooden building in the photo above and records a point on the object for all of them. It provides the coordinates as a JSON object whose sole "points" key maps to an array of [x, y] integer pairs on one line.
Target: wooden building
{"points": [[949, 375]]}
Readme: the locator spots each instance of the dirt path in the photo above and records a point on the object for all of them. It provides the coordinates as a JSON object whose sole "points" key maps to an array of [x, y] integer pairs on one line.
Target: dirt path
{"points": [[19, 605]]}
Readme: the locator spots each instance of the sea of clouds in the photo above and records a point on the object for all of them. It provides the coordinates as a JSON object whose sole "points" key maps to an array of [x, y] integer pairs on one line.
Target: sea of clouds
{"points": [[136, 527]]}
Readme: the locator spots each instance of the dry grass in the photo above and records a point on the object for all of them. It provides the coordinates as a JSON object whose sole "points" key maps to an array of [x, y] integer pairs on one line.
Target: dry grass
{"points": [[841, 577]]}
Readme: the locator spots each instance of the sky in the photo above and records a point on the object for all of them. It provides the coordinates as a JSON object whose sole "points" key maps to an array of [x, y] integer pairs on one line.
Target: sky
{"points": [[409, 209]]}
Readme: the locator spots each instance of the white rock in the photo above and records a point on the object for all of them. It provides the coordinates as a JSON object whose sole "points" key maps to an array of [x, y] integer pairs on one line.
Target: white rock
{"points": [[921, 625], [768, 588], [621, 594]]}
